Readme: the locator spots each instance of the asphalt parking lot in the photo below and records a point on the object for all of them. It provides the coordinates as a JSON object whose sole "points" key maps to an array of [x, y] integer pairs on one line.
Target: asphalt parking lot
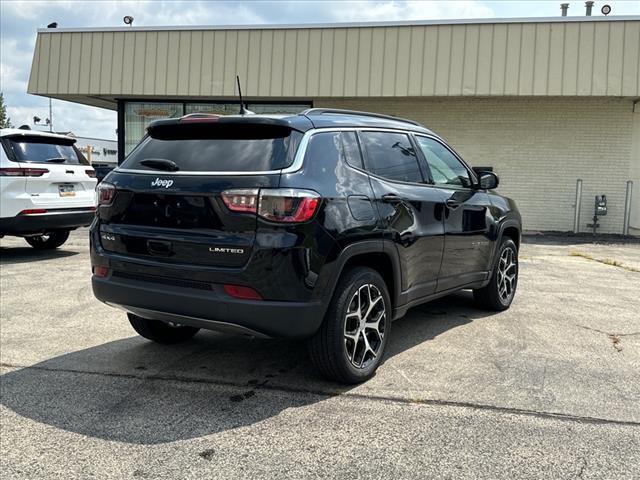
{"points": [[548, 389]]}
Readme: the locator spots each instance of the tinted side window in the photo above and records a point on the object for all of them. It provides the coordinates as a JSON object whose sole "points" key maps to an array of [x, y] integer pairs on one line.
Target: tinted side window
{"points": [[445, 168], [331, 146], [391, 155], [323, 147]]}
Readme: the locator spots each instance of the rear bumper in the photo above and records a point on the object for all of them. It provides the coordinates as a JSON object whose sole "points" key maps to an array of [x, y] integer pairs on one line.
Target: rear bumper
{"points": [[46, 222], [212, 310]]}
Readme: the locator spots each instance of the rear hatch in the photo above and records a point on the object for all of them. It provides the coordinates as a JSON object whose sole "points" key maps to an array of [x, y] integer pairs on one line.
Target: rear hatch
{"points": [[66, 180], [168, 201]]}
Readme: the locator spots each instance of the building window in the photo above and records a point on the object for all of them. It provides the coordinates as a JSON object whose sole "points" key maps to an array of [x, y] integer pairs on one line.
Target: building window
{"points": [[285, 108], [214, 108], [138, 115], [234, 108]]}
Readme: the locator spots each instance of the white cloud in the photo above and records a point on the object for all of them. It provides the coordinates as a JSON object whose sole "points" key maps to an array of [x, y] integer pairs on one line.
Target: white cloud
{"points": [[408, 10], [83, 121], [12, 79]]}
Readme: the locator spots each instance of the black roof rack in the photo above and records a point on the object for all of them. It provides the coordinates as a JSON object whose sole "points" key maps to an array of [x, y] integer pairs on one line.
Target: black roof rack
{"points": [[338, 111]]}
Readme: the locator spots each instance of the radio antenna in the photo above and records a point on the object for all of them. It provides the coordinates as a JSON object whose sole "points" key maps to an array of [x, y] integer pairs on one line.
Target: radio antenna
{"points": [[243, 110]]}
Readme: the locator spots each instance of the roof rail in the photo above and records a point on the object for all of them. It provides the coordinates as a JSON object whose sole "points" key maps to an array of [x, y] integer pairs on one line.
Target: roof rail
{"points": [[338, 111]]}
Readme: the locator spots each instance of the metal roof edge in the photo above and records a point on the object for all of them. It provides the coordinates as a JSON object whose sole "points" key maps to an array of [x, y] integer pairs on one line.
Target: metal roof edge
{"points": [[402, 23]]}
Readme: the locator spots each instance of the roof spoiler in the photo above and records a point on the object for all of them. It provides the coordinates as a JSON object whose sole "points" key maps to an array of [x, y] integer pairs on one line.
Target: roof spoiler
{"points": [[212, 121]]}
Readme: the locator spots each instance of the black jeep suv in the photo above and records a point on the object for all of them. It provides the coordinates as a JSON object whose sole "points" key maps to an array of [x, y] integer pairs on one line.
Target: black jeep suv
{"points": [[327, 225]]}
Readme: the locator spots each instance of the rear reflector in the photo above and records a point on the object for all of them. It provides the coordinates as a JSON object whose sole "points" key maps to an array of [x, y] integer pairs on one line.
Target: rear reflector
{"points": [[33, 211], [91, 173], [100, 271], [245, 293], [23, 172]]}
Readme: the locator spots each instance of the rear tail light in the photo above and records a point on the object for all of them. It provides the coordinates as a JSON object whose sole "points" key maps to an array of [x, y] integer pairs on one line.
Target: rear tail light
{"points": [[33, 211], [285, 205], [90, 173], [23, 172], [105, 193], [241, 200], [288, 205], [244, 293], [100, 271]]}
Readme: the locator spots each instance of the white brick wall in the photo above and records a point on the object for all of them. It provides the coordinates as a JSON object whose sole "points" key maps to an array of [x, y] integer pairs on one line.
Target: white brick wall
{"points": [[538, 147]]}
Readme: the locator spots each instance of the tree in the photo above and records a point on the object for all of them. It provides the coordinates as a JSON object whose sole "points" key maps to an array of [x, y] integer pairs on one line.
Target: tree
{"points": [[5, 121]]}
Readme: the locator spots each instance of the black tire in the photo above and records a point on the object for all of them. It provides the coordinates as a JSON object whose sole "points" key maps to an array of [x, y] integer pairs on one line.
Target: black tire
{"points": [[161, 332], [48, 241], [328, 348], [490, 296]]}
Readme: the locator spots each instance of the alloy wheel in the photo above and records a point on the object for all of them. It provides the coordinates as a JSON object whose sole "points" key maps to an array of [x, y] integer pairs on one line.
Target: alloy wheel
{"points": [[507, 274], [364, 326]]}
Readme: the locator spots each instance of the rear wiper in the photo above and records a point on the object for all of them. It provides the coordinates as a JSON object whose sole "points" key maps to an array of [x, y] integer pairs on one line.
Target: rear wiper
{"points": [[56, 160], [160, 164]]}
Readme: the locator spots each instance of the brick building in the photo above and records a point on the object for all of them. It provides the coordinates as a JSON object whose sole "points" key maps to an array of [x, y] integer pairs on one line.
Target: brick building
{"points": [[545, 102]]}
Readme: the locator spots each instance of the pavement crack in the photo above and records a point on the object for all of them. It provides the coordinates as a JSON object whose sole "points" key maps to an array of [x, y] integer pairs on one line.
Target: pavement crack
{"points": [[606, 261], [614, 337], [582, 468], [352, 395]]}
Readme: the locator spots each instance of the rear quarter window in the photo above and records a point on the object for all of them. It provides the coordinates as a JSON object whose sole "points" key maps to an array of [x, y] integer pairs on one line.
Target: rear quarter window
{"points": [[326, 148], [218, 148]]}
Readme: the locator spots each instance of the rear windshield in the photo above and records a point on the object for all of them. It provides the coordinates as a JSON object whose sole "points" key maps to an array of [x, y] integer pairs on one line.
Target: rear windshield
{"points": [[37, 149], [228, 148]]}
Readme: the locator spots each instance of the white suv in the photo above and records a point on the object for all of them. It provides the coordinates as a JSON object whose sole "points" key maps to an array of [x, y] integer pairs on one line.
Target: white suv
{"points": [[47, 187]]}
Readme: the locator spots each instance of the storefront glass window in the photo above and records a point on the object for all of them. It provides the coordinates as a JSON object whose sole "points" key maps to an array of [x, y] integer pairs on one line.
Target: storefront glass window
{"points": [[234, 108], [138, 115], [277, 107], [214, 108]]}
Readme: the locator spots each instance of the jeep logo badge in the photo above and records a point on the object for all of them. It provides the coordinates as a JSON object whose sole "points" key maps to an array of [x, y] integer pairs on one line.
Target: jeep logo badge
{"points": [[159, 182]]}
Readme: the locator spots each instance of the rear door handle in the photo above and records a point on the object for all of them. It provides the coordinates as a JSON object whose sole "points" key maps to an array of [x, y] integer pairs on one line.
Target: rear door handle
{"points": [[391, 198], [451, 203]]}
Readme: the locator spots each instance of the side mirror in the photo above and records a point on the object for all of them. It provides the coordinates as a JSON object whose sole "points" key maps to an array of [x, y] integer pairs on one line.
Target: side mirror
{"points": [[488, 180]]}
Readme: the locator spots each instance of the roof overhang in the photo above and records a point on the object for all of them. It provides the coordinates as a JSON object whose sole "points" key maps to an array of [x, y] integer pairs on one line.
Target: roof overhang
{"points": [[558, 56]]}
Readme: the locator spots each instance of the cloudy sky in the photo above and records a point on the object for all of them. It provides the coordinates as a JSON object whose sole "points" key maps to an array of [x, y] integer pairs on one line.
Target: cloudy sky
{"points": [[20, 19]]}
